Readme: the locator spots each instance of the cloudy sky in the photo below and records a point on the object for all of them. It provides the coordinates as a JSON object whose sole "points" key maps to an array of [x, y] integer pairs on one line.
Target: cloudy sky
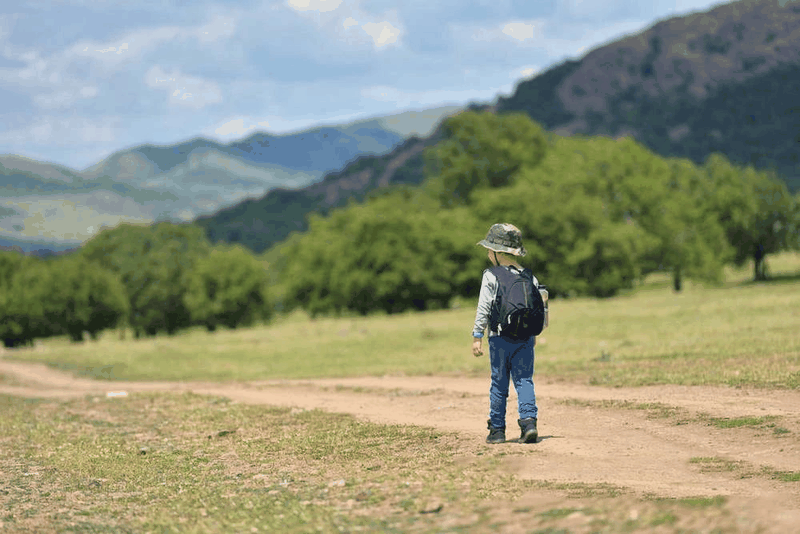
{"points": [[81, 79]]}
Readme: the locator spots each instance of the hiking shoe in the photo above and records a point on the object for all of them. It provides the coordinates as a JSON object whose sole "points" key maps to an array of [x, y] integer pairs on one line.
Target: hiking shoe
{"points": [[496, 435], [529, 432]]}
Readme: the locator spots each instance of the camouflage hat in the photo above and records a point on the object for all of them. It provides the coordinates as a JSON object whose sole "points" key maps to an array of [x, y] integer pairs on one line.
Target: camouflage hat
{"points": [[504, 237]]}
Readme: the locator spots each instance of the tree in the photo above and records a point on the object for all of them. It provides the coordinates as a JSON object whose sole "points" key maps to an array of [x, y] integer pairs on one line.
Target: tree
{"points": [[395, 252], [227, 287], [91, 297], [662, 197], [573, 246], [33, 308], [153, 263], [756, 210], [481, 150], [65, 295], [602, 213], [12, 327]]}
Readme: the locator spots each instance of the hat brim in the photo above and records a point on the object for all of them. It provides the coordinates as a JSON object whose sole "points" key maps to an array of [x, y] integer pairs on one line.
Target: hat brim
{"points": [[500, 248]]}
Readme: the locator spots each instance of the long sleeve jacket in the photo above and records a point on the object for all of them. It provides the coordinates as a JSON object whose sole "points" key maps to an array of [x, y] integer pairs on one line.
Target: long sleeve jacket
{"points": [[489, 286]]}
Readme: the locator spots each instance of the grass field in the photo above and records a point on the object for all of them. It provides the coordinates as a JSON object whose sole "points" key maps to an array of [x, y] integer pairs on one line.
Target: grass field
{"points": [[741, 333], [188, 463]]}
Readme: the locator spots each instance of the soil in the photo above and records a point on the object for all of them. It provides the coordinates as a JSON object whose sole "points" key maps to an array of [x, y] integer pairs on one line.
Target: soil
{"points": [[655, 441]]}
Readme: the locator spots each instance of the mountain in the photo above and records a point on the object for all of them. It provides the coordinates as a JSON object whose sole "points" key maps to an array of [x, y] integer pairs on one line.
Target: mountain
{"points": [[62, 206], [205, 176], [727, 80], [416, 123], [41, 248], [259, 224]]}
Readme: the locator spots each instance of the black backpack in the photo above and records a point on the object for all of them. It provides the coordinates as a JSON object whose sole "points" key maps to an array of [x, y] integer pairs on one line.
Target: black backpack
{"points": [[518, 311]]}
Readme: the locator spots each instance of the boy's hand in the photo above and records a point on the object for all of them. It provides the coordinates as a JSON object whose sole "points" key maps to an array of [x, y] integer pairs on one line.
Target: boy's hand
{"points": [[476, 347]]}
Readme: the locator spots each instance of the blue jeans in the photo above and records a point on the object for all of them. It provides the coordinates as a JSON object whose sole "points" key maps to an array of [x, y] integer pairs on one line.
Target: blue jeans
{"points": [[511, 359]]}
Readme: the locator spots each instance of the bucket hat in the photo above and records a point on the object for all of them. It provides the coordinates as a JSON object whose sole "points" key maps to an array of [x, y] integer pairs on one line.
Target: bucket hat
{"points": [[504, 237]]}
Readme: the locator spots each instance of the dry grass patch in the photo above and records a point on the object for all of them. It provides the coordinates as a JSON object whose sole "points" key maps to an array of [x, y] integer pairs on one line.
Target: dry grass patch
{"points": [[159, 462], [189, 463]]}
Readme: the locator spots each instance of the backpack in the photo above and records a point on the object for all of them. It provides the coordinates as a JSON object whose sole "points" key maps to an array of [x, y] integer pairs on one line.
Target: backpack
{"points": [[518, 311]]}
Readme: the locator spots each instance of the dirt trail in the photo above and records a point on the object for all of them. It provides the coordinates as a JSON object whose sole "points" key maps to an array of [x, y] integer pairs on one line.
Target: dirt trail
{"points": [[649, 452]]}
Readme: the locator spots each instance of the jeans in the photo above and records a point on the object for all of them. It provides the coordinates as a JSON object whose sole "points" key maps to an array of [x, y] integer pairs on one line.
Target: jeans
{"points": [[511, 359]]}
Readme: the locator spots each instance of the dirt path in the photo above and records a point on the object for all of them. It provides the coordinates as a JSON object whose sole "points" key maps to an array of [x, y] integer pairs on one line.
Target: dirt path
{"points": [[588, 435]]}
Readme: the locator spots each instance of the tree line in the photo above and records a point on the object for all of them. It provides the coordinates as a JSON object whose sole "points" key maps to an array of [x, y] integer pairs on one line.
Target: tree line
{"points": [[149, 279], [597, 215]]}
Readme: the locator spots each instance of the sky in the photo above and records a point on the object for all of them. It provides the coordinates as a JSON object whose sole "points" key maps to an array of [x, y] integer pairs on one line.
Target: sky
{"points": [[82, 79]]}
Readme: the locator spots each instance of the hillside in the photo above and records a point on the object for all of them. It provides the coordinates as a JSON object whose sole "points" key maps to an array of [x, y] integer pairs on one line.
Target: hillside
{"points": [[727, 81], [259, 224], [46, 205]]}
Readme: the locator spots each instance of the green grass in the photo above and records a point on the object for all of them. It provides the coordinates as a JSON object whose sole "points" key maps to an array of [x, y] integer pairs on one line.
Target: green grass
{"points": [[708, 464], [743, 469], [189, 463], [737, 422], [160, 462], [737, 334]]}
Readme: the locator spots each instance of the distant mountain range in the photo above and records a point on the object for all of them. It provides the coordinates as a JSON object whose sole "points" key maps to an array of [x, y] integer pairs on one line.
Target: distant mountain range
{"points": [[727, 80], [47, 206]]}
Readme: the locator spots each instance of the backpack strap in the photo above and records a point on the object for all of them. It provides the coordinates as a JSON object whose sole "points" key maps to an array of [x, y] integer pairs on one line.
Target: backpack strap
{"points": [[503, 276]]}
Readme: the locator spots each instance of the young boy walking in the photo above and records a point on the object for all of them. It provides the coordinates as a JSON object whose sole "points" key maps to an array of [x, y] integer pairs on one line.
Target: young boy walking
{"points": [[509, 358]]}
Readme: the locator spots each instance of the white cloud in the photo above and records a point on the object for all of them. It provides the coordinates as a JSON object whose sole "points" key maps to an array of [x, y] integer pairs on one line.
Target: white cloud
{"points": [[184, 90], [382, 33], [377, 30], [314, 5], [524, 72], [519, 30], [129, 47], [46, 71], [239, 127], [122, 47]]}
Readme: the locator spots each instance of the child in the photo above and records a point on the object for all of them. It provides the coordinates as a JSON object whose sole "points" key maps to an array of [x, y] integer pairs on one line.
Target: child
{"points": [[508, 357]]}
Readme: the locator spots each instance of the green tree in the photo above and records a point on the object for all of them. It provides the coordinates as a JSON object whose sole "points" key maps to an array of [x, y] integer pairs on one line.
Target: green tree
{"points": [[33, 308], [758, 213], [64, 295], [153, 263], [227, 287], [91, 298], [692, 238], [604, 212], [664, 198], [12, 330], [395, 252], [481, 150], [573, 247]]}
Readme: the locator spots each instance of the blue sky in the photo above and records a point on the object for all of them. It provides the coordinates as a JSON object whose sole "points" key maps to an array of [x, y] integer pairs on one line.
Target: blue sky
{"points": [[81, 79]]}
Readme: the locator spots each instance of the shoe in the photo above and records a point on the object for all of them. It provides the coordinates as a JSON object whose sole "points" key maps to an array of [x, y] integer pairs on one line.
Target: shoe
{"points": [[529, 432], [496, 435]]}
